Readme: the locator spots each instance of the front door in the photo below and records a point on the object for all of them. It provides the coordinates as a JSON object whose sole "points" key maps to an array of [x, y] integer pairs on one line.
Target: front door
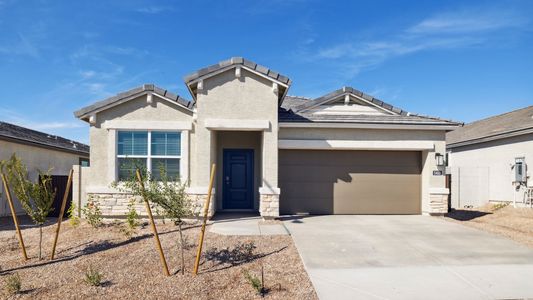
{"points": [[238, 174]]}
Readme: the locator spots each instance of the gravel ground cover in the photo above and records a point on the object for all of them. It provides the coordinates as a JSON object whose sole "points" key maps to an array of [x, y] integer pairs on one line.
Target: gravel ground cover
{"points": [[514, 223], [131, 267]]}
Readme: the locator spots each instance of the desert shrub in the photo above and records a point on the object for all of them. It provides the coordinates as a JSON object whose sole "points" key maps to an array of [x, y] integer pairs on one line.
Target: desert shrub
{"points": [[36, 198], [73, 218], [165, 192], [131, 220], [241, 253], [93, 277], [132, 215], [92, 213], [256, 282], [13, 284], [499, 206]]}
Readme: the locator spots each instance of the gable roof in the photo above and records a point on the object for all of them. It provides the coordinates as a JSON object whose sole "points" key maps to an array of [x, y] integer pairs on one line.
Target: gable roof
{"points": [[295, 109], [349, 91], [133, 93], [234, 61], [192, 79], [28, 136], [509, 124]]}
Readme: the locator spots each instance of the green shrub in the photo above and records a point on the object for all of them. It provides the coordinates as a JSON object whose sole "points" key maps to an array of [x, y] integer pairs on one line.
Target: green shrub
{"points": [[13, 284], [131, 220], [132, 216], [73, 218], [93, 277], [36, 198], [93, 213], [165, 192], [255, 282]]}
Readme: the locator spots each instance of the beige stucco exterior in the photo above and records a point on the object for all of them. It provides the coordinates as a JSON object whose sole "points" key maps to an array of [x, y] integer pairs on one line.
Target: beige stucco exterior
{"points": [[237, 108], [36, 158], [483, 172]]}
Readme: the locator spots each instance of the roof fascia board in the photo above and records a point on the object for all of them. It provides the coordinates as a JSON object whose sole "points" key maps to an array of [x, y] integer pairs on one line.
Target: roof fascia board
{"points": [[491, 138], [129, 98], [226, 68], [42, 145], [325, 101], [367, 126]]}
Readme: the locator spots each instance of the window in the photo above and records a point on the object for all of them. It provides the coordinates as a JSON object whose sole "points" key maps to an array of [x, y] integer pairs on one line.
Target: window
{"points": [[84, 162], [151, 150]]}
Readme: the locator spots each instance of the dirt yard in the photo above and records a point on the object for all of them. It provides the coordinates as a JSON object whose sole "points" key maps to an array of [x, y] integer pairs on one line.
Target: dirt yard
{"points": [[132, 270], [514, 223]]}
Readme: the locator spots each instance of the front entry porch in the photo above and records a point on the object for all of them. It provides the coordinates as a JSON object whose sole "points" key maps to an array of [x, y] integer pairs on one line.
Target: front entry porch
{"points": [[238, 175]]}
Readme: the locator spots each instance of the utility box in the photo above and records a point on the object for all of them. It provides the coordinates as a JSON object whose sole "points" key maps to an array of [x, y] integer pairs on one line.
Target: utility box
{"points": [[520, 170]]}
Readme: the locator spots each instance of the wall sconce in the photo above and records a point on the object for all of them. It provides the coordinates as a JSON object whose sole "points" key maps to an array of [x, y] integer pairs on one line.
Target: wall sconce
{"points": [[439, 158]]}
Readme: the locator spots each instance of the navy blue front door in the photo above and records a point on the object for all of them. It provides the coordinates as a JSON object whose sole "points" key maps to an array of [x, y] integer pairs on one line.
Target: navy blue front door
{"points": [[237, 180]]}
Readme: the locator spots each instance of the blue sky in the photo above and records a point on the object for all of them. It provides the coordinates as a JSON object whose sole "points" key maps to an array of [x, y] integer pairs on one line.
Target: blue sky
{"points": [[462, 60]]}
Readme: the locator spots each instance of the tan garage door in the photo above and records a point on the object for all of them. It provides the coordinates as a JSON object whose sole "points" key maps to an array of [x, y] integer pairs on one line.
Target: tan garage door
{"points": [[349, 182]]}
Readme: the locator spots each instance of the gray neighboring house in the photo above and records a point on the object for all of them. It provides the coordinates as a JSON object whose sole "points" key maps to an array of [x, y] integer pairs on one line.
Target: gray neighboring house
{"points": [[39, 150], [342, 153], [488, 159]]}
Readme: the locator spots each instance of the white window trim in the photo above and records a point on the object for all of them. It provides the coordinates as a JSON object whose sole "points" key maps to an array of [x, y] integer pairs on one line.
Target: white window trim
{"points": [[114, 156]]}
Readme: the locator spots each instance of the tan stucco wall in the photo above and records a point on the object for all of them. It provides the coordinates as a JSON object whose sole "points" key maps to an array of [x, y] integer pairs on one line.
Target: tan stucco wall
{"points": [[495, 159], [35, 158], [432, 186], [102, 140], [239, 140], [249, 97]]}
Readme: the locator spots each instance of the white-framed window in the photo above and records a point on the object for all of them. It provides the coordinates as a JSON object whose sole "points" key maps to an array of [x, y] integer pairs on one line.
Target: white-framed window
{"points": [[152, 150]]}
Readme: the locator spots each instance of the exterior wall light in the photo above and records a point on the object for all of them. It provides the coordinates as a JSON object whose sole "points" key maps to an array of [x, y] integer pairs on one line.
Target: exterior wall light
{"points": [[439, 158]]}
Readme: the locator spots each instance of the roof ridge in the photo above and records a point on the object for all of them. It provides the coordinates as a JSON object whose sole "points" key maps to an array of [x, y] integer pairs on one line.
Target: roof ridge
{"points": [[499, 115], [21, 133], [42, 133], [146, 87], [301, 97], [236, 60]]}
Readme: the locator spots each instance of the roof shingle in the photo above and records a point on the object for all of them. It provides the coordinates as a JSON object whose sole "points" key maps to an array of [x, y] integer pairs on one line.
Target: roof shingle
{"points": [[138, 90], [494, 127], [25, 135], [237, 61]]}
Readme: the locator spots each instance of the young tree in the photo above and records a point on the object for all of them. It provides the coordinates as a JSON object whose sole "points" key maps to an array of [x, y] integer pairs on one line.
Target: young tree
{"points": [[36, 198], [166, 192]]}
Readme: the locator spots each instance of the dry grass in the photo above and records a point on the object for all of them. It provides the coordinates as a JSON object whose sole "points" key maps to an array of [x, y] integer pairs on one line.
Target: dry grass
{"points": [[131, 268], [514, 223]]}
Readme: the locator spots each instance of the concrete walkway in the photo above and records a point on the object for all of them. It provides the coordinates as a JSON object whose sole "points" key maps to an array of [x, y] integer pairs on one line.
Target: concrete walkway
{"points": [[244, 224], [409, 257]]}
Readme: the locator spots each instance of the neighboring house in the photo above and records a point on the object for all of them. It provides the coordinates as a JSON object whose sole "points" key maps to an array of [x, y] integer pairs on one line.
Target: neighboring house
{"points": [[38, 151], [343, 153], [488, 159]]}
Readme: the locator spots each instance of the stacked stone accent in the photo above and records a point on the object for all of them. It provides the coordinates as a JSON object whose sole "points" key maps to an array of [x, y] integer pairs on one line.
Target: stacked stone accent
{"points": [[269, 205], [116, 204], [438, 204]]}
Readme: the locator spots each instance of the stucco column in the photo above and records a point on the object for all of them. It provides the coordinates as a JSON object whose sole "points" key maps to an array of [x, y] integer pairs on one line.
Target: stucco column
{"points": [[434, 194], [269, 191]]}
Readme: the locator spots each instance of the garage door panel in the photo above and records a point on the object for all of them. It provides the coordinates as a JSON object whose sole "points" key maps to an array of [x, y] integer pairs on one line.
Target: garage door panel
{"points": [[349, 182], [308, 189], [378, 194]]}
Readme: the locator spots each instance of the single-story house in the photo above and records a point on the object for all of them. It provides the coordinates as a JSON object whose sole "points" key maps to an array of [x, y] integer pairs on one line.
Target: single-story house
{"points": [[39, 151], [342, 153], [488, 159]]}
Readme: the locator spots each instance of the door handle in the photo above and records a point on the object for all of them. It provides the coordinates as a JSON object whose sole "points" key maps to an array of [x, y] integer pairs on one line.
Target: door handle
{"points": [[227, 180]]}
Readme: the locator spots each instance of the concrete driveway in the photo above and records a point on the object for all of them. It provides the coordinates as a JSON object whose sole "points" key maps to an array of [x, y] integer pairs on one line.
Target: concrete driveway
{"points": [[409, 257]]}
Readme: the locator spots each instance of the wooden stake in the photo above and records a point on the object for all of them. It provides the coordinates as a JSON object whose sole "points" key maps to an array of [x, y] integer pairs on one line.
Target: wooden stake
{"points": [[154, 229], [206, 210], [62, 212], [14, 214]]}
